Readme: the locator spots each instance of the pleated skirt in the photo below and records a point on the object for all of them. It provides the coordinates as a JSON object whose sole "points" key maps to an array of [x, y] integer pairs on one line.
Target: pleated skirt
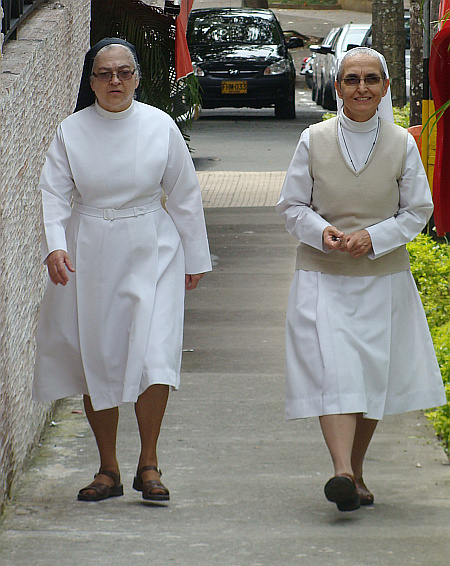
{"points": [[358, 345], [116, 327]]}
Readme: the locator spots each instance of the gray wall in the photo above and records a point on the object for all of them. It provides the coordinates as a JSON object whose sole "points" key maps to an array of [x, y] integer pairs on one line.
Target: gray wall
{"points": [[39, 79]]}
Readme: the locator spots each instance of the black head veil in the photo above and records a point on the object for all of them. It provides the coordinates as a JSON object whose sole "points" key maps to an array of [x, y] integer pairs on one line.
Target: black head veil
{"points": [[86, 95]]}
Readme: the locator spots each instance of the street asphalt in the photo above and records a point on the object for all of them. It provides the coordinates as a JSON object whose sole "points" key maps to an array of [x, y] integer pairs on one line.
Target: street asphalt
{"points": [[246, 487]]}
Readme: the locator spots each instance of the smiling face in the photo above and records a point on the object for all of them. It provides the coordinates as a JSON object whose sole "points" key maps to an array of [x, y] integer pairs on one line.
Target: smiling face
{"points": [[361, 101], [115, 95]]}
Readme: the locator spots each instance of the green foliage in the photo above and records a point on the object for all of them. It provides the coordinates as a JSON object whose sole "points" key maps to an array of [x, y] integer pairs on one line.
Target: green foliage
{"points": [[440, 417], [153, 34], [430, 266], [401, 116]]}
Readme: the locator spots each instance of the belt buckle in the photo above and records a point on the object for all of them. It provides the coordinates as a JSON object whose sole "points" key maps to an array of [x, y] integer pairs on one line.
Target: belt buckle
{"points": [[139, 210], [108, 214]]}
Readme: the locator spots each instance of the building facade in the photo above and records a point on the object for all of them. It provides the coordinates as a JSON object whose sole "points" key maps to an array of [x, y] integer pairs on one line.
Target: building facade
{"points": [[39, 78]]}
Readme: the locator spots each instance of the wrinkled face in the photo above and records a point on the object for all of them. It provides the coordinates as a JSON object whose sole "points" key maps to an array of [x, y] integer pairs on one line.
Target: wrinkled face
{"points": [[115, 94], [361, 100]]}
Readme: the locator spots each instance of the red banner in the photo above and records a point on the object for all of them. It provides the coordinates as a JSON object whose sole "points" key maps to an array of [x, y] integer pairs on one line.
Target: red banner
{"points": [[183, 65]]}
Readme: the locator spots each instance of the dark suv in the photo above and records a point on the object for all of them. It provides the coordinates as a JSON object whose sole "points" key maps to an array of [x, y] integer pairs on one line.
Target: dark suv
{"points": [[241, 59]]}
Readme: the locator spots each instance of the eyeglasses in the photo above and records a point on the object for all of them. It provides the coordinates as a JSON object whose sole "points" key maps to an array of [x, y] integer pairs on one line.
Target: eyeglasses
{"points": [[106, 76], [371, 80]]}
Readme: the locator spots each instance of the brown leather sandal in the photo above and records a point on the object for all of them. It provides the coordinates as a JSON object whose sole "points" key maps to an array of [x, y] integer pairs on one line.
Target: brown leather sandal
{"points": [[148, 487], [365, 496], [101, 490]]}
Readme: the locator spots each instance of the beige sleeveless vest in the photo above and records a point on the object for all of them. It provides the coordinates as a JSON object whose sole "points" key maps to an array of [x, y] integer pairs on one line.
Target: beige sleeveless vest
{"points": [[351, 200]]}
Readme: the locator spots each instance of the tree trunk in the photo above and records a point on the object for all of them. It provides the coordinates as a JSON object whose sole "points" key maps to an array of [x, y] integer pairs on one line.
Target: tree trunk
{"points": [[388, 37], [416, 78]]}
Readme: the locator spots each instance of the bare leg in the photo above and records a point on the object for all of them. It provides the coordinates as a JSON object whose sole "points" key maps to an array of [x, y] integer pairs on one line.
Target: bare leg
{"points": [[150, 408], [104, 426], [339, 434], [363, 435]]}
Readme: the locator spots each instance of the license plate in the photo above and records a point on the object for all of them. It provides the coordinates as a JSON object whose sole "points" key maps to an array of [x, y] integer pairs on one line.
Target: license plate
{"points": [[234, 87]]}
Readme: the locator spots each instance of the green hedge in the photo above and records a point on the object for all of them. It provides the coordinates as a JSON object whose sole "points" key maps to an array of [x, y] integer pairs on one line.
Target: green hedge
{"points": [[430, 266]]}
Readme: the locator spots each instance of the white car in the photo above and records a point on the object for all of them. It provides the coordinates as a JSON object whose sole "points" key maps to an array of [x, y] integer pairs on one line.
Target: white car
{"points": [[348, 36]]}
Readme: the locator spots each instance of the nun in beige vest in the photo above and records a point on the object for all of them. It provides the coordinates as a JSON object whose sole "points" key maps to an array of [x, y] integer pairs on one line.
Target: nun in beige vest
{"points": [[357, 341]]}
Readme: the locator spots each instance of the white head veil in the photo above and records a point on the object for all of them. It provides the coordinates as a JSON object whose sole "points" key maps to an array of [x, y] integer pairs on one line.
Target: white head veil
{"points": [[385, 106]]}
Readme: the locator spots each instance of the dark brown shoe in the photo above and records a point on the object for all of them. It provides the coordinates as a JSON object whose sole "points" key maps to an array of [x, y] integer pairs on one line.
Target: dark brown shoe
{"points": [[149, 487], [365, 496], [97, 491], [341, 489]]}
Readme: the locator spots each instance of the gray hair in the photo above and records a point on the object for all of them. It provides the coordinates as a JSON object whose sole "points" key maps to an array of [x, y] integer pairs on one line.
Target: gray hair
{"points": [[110, 46], [354, 53]]}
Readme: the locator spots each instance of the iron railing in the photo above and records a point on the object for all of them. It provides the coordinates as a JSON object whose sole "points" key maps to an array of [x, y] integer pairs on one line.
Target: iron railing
{"points": [[15, 12]]}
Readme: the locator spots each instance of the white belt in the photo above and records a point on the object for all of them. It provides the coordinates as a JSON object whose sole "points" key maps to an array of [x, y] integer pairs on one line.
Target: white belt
{"points": [[113, 213]]}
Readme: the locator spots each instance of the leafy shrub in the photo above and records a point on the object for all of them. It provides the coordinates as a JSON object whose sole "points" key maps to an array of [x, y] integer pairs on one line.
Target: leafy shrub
{"points": [[401, 116], [430, 266]]}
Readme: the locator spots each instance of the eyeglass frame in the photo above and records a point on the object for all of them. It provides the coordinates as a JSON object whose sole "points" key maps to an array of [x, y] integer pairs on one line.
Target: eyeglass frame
{"points": [[112, 73], [375, 78]]}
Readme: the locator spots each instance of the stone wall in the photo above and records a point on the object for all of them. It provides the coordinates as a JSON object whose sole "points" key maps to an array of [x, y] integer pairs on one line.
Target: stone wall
{"points": [[1, 35], [39, 80]]}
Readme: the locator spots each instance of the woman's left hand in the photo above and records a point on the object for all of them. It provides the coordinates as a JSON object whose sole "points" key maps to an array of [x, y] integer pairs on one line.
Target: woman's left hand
{"points": [[359, 243], [191, 281]]}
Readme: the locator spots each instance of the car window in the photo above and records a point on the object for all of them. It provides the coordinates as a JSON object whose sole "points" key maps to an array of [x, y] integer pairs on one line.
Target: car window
{"points": [[232, 29], [329, 39], [354, 36], [335, 39]]}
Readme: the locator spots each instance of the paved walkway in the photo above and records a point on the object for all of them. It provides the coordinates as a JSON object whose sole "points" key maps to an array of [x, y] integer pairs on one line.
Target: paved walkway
{"points": [[236, 188], [246, 487]]}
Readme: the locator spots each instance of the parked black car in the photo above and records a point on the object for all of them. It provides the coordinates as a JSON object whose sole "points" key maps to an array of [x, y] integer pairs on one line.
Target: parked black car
{"points": [[241, 59]]}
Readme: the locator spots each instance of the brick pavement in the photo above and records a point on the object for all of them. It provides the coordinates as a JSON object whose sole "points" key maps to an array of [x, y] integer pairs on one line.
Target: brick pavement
{"points": [[223, 189]]}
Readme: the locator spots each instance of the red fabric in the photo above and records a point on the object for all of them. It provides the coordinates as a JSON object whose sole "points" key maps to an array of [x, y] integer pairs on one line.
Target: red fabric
{"points": [[183, 65], [444, 8], [439, 74]]}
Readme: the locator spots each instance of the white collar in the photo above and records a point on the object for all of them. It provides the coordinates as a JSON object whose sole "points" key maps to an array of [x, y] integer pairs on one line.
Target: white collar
{"points": [[115, 115], [358, 127]]}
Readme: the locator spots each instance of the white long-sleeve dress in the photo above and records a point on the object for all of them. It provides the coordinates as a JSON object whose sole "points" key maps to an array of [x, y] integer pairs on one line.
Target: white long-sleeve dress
{"points": [[357, 344], [116, 327]]}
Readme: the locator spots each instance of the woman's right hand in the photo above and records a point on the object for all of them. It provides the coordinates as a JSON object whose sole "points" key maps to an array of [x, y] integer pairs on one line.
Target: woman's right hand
{"points": [[334, 239], [57, 262]]}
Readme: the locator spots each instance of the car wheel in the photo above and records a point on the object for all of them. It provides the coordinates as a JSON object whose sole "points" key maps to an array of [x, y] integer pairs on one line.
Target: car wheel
{"points": [[314, 92], [285, 109], [308, 81], [328, 101]]}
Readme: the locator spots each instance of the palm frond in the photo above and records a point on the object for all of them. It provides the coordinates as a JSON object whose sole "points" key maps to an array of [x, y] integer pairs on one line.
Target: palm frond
{"points": [[153, 34]]}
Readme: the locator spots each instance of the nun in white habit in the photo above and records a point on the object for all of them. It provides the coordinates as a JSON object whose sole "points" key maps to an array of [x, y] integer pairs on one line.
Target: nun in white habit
{"points": [[111, 320], [357, 341]]}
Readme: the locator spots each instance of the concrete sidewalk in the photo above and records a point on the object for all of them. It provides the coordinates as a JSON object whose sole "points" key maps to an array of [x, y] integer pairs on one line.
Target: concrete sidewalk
{"points": [[246, 487]]}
